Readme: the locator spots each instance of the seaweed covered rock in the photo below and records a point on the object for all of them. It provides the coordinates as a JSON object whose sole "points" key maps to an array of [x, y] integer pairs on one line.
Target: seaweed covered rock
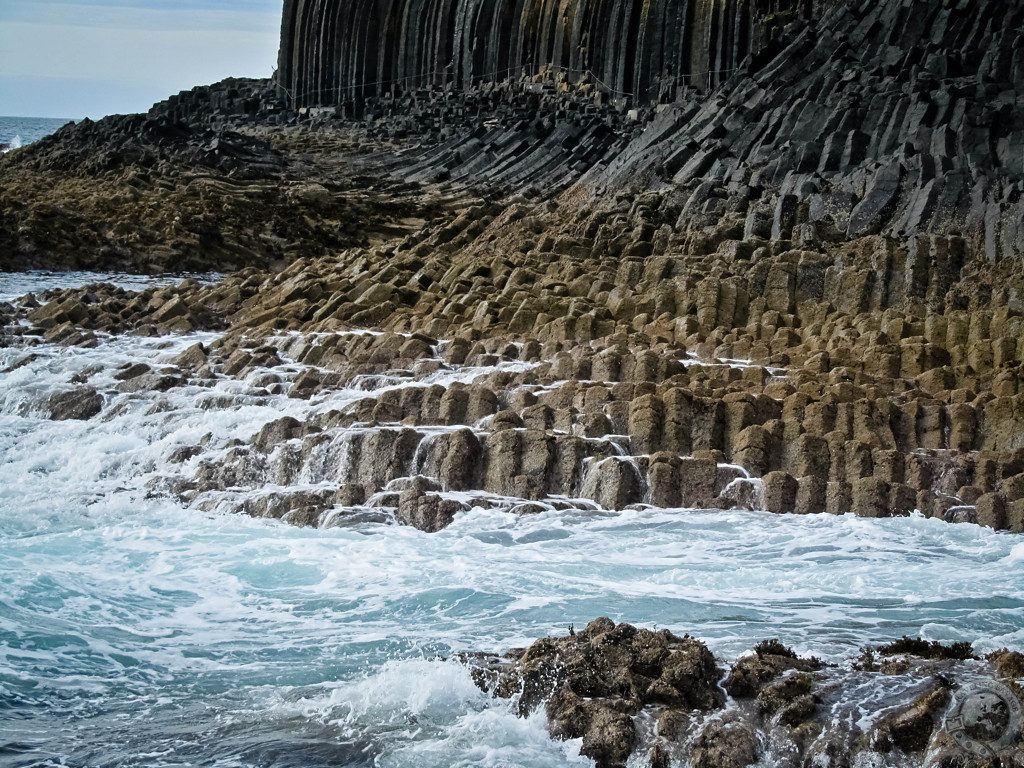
{"points": [[771, 659], [728, 742], [653, 698], [592, 683]]}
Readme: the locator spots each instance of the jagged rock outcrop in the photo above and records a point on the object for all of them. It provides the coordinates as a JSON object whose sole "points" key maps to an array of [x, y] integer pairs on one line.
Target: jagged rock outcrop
{"points": [[227, 103], [860, 118], [653, 698], [158, 193], [871, 117]]}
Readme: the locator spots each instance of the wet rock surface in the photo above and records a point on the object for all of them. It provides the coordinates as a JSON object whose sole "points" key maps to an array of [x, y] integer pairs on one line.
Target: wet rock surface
{"points": [[79, 404], [669, 415], [798, 293], [655, 698]]}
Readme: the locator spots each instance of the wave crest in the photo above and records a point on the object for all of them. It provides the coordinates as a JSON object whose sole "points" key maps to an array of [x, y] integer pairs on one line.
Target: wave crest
{"points": [[13, 144]]}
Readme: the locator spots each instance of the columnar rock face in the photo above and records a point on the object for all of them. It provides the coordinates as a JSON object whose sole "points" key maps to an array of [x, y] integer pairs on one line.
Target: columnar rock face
{"points": [[334, 51], [827, 119]]}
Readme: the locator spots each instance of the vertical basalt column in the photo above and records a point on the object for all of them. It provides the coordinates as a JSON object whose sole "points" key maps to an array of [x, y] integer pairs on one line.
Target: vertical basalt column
{"points": [[288, 39], [339, 51], [700, 35]]}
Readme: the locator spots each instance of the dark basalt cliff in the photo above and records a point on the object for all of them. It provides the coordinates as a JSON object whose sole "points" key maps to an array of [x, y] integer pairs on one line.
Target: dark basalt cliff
{"points": [[334, 51], [896, 117]]}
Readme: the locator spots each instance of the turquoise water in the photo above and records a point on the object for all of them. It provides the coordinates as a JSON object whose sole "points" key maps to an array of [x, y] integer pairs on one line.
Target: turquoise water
{"points": [[136, 632], [157, 636]]}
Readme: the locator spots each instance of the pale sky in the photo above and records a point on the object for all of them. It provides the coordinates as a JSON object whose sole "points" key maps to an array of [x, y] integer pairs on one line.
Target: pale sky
{"points": [[90, 58]]}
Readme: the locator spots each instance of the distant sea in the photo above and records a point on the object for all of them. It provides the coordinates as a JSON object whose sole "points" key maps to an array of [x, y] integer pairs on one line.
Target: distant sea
{"points": [[16, 132]]}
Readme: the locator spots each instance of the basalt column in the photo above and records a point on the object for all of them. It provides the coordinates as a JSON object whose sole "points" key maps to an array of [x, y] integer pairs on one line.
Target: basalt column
{"points": [[336, 51]]}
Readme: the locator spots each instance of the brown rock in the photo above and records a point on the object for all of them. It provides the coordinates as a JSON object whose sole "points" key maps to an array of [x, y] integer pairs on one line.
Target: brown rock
{"points": [[725, 744], [276, 432], [780, 492], [614, 483], [750, 674], [909, 729], [454, 458], [78, 404], [421, 507], [789, 697], [698, 478], [870, 497], [193, 358], [609, 739], [1009, 665], [991, 511], [812, 496], [1015, 517]]}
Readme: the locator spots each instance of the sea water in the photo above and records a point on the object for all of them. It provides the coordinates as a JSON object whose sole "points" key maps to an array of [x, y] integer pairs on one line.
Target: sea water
{"points": [[16, 132], [137, 632], [14, 285]]}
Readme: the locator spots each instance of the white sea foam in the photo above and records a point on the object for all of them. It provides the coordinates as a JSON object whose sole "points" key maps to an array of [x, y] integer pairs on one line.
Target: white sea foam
{"points": [[428, 713]]}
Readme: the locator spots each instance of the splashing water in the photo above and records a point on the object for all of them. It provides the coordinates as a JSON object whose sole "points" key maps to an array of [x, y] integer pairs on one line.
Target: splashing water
{"points": [[16, 132], [134, 631]]}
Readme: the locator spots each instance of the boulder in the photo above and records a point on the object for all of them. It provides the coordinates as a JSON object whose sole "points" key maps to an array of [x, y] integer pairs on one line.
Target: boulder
{"points": [[726, 743], [421, 506], [78, 404], [614, 483]]}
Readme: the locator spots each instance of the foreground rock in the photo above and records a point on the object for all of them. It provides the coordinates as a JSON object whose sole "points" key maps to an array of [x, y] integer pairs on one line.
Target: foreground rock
{"points": [[627, 691]]}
